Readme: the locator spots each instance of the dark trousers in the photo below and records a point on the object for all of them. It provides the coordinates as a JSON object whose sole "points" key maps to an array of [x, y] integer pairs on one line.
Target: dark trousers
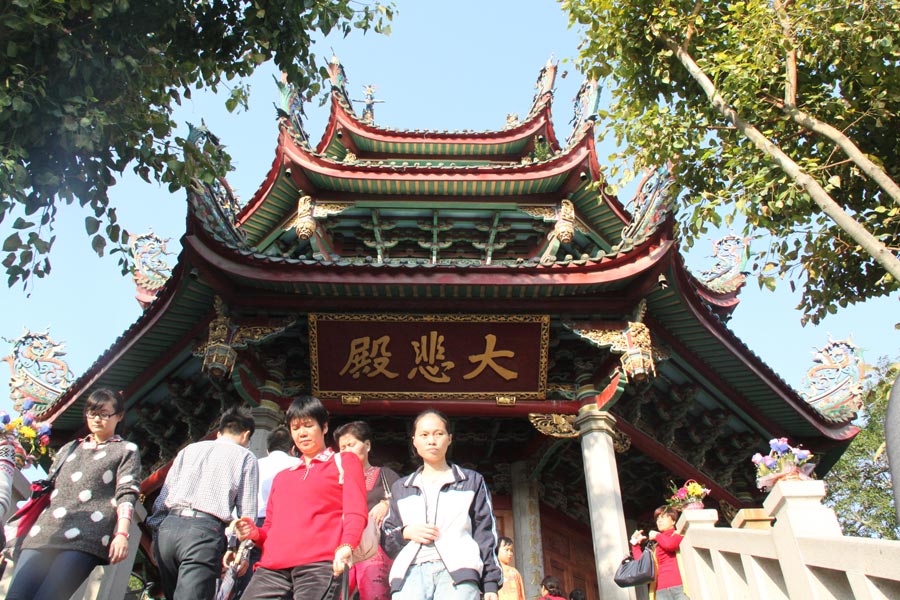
{"points": [[306, 582], [189, 554], [50, 574]]}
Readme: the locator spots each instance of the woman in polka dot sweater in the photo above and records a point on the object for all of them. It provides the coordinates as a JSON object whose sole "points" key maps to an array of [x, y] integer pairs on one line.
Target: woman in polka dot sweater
{"points": [[87, 521]]}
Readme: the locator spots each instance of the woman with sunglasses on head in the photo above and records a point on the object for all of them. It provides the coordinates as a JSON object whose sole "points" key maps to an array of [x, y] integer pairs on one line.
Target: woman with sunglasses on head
{"points": [[440, 528], [87, 521]]}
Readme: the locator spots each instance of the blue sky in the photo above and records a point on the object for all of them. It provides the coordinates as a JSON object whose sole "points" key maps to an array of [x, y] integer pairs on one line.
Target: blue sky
{"points": [[459, 65]]}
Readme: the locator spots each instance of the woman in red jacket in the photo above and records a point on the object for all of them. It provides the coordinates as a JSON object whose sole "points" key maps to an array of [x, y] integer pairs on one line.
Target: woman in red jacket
{"points": [[668, 584], [314, 518]]}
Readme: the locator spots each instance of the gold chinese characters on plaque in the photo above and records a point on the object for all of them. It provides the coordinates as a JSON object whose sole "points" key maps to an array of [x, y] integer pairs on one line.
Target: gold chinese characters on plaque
{"points": [[429, 356]]}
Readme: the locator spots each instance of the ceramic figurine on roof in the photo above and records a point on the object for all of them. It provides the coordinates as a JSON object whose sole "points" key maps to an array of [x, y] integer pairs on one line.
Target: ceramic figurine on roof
{"points": [[150, 271], [290, 110], [546, 79], [336, 74], [39, 375], [368, 115], [727, 274], [587, 101], [650, 205], [834, 383]]}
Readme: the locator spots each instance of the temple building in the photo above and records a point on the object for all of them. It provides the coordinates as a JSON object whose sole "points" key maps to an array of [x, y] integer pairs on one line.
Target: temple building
{"points": [[486, 274]]}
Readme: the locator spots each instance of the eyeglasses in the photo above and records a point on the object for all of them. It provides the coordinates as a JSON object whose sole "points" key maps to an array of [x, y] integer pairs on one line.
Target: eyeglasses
{"points": [[101, 416]]}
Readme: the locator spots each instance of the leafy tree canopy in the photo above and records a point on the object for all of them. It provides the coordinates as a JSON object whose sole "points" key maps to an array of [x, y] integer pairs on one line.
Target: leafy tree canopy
{"points": [[87, 89], [859, 485], [769, 110]]}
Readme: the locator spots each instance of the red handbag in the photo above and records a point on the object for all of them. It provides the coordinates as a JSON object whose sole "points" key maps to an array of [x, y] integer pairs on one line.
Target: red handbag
{"points": [[28, 513]]}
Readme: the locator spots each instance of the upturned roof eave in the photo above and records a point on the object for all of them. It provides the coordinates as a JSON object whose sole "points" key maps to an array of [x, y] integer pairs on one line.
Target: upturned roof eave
{"points": [[694, 301], [341, 116]]}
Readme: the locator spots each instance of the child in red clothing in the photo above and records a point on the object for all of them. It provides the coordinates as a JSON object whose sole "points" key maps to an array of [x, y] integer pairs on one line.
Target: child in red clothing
{"points": [[668, 584]]}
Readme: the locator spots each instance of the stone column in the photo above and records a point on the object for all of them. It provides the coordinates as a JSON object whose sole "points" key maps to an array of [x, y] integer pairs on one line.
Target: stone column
{"points": [[601, 476], [527, 522], [268, 416]]}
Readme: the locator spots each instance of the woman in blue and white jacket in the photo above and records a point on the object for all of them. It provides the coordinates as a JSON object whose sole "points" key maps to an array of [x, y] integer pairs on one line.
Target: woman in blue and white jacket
{"points": [[440, 529]]}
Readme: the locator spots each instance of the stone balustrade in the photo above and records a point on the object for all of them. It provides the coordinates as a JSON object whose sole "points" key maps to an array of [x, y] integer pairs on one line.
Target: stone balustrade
{"points": [[792, 548]]}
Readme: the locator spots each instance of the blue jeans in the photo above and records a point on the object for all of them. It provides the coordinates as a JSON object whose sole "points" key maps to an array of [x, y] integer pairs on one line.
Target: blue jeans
{"points": [[672, 593], [189, 554], [432, 581], [50, 574]]}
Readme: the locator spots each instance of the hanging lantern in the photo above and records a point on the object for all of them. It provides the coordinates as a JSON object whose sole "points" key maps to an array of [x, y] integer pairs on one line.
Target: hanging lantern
{"points": [[637, 360], [638, 365], [219, 359]]}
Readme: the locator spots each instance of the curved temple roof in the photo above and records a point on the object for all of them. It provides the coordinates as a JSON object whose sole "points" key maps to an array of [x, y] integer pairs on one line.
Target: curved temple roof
{"points": [[499, 221]]}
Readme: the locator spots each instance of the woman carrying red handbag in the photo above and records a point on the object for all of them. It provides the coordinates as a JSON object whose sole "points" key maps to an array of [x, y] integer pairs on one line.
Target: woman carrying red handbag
{"points": [[86, 523]]}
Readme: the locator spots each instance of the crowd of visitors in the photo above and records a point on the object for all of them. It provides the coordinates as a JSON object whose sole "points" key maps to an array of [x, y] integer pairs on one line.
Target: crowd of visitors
{"points": [[304, 509]]}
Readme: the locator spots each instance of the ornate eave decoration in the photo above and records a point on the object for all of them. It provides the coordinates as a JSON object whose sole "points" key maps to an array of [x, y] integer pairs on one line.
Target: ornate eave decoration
{"points": [[37, 372], [632, 340], [338, 78], [727, 274], [544, 84], [304, 223], [290, 111], [586, 104], [217, 208], [651, 204], [834, 384], [150, 271], [219, 352], [554, 425]]}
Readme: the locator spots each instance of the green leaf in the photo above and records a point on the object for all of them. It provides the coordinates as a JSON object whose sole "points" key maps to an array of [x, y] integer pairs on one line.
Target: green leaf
{"points": [[21, 223], [91, 225], [12, 243], [98, 243]]}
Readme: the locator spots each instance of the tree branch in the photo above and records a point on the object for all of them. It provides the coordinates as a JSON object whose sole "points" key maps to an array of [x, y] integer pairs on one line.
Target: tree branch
{"points": [[823, 200], [810, 123]]}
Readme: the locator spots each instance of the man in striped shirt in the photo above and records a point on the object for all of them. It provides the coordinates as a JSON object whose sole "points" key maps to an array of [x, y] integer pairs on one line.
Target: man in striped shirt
{"points": [[208, 480]]}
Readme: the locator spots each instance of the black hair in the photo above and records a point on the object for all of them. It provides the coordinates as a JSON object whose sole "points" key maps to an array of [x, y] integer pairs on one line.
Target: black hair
{"points": [[280, 439], [236, 421], [577, 594], [552, 585], [504, 540], [435, 412], [305, 407], [358, 429], [102, 397]]}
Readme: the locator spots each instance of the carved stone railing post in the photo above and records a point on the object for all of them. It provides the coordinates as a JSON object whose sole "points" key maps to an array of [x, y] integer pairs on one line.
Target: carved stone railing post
{"points": [[699, 574], [798, 511], [597, 431], [527, 525]]}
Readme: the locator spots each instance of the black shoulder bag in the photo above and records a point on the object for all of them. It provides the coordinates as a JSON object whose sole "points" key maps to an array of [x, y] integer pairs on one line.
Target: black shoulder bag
{"points": [[636, 572]]}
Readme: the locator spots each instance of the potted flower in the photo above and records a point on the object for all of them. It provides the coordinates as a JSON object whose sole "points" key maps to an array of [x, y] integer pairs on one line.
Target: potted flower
{"points": [[688, 496], [782, 462], [28, 439]]}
